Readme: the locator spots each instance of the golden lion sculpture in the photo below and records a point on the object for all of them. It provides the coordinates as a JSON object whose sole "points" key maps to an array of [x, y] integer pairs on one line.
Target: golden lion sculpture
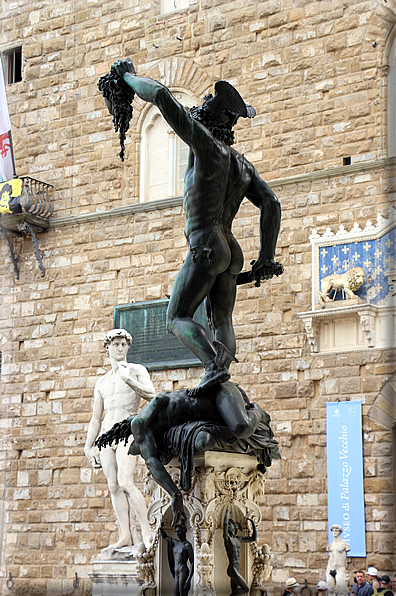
{"points": [[347, 282]]}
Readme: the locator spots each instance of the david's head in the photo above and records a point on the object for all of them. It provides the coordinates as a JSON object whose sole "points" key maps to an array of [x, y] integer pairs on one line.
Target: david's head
{"points": [[117, 342], [233, 527]]}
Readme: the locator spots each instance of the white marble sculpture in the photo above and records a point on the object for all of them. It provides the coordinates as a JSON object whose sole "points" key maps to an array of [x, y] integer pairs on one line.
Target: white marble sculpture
{"points": [[118, 394], [336, 572], [347, 283]]}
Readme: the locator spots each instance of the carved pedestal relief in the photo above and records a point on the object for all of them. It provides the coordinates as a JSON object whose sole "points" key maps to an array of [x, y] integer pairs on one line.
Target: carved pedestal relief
{"points": [[221, 481]]}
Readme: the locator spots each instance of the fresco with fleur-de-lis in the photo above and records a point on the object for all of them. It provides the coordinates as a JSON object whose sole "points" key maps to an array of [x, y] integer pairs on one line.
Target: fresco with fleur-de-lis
{"points": [[376, 257]]}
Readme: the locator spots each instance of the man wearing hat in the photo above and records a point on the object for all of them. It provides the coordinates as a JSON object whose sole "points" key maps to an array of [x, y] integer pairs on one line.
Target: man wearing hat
{"points": [[372, 578], [216, 181], [291, 587], [385, 587], [322, 588]]}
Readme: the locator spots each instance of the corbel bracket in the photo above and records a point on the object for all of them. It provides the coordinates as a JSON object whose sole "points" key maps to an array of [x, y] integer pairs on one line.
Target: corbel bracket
{"points": [[25, 227], [312, 330], [11, 251], [367, 321], [24, 224]]}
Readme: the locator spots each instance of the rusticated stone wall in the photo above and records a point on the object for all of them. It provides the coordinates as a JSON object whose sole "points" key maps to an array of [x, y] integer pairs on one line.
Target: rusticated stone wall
{"points": [[319, 88]]}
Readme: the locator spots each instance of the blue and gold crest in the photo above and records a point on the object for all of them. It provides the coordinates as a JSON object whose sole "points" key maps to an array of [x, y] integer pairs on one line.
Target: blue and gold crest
{"points": [[375, 256], [371, 249]]}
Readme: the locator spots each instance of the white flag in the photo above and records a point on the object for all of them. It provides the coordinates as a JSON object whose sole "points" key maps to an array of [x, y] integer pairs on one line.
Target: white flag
{"points": [[6, 154]]}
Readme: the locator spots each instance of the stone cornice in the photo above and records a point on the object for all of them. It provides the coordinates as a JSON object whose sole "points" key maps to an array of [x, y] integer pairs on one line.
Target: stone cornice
{"points": [[356, 168], [72, 220]]}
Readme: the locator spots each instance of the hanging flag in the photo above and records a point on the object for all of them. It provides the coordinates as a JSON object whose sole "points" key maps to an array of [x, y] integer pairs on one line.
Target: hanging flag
{"points": [[7, 167], [10, 196], [345, 488]]}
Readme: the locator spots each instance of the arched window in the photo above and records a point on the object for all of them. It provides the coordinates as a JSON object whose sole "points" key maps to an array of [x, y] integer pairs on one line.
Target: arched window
{"points": [[392, 101], [163, 156]]}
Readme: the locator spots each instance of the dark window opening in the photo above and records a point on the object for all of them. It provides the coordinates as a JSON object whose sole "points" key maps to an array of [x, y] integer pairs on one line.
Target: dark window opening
{"points": [[12, 64], [346, 161]]}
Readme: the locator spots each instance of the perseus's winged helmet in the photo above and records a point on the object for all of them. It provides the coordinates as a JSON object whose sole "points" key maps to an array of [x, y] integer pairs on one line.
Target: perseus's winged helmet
{"points": [[227, 98]]}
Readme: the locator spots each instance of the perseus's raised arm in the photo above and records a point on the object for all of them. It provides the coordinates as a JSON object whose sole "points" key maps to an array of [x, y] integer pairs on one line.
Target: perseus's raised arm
{"points": [[174, 113]]}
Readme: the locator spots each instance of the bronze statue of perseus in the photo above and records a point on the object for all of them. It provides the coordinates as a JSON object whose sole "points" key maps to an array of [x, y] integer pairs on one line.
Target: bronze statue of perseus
{"points": [[216, 180]]}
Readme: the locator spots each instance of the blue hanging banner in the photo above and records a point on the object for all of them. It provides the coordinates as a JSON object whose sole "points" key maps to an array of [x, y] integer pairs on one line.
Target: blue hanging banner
{"points": [[345, 491]]}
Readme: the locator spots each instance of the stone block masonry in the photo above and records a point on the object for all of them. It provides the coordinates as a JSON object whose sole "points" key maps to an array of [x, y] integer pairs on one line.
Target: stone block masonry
{"points": [[318, 86]]}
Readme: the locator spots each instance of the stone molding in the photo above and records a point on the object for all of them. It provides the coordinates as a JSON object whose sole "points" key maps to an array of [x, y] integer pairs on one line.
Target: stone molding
{"points": [[187, 100], [83, 218], [367, 313]]}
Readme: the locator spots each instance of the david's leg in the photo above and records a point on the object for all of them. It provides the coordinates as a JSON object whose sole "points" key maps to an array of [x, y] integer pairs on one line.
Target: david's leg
{"points": [[222, 301], [205, 441], [126, 467], [238, 584], [118, 497]]}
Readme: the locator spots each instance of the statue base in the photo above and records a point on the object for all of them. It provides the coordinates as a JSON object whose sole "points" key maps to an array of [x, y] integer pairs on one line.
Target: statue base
{"points": [[221, 481], [115, 573]]}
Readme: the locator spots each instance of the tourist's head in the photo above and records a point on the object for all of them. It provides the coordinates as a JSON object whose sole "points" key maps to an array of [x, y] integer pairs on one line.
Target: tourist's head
{"points": [[291, 585], [360, 577], [393, 583], [372, 574], [385, 581]]}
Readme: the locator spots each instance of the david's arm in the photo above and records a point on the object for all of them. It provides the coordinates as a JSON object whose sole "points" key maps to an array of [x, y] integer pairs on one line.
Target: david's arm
{"points": [[191, 559], [138, 379], [225, 524], [90, 451]]}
